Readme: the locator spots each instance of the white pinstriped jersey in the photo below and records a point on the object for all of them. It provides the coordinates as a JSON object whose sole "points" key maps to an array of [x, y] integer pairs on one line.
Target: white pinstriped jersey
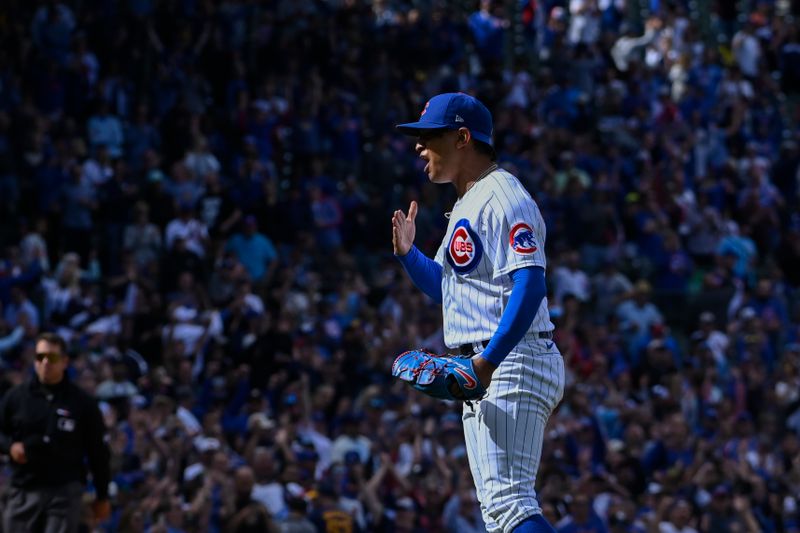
{"points": [[494, 229]]}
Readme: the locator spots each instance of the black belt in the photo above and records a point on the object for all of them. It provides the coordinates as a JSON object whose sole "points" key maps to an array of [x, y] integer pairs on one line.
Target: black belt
{"points": [[469, 348]]}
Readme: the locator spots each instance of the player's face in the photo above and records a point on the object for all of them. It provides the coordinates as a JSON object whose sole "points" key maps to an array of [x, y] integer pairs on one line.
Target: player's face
{"points": [[437, 148]]}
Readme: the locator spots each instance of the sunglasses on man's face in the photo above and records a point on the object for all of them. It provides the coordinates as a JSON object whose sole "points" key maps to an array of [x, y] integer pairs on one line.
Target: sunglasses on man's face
{"points": [[52, 357]]}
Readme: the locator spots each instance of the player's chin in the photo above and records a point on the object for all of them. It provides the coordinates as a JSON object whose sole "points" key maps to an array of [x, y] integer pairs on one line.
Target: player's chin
{"points": [[435, 177]]}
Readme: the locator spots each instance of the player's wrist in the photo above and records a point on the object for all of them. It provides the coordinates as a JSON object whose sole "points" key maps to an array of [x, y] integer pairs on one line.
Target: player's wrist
{"points": [[485, 362], [490, 358], [483, 369], [408, 253]]}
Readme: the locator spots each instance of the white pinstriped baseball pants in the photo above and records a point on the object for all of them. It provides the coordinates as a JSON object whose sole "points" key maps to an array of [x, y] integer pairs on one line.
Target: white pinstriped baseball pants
{"points": [[504, 432]]}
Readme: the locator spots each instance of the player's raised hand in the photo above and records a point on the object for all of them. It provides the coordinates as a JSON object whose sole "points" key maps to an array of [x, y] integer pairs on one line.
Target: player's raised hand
{"points": [[404, 229]]}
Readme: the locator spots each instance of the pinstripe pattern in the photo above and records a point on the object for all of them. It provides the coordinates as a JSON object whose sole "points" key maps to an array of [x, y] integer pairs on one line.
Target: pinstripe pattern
{"points": [[473, 302], [505, 431]]}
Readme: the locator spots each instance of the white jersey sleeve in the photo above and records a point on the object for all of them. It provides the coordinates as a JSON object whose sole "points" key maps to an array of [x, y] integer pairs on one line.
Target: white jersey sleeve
{"points": [[514, 218]]}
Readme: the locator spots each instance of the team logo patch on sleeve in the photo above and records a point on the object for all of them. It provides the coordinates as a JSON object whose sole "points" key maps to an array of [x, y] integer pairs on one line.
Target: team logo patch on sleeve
{"points": [[464, 250], [521, 239]]}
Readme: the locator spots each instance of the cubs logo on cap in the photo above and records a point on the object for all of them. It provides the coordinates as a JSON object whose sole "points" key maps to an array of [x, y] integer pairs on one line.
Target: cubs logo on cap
{"points": [[464, 251], [521, 239], [451, 111]]}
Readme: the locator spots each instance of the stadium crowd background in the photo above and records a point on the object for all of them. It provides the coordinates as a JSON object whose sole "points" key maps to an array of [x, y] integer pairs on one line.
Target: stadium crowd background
{"points": [[197, 195]]}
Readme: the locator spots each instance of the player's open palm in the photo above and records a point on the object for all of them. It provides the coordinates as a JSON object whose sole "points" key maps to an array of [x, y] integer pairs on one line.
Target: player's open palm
{"points": [[404, 229]]}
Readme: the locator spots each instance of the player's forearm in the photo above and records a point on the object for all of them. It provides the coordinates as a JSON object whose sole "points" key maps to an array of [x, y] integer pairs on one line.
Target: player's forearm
{"points": [[424, 272], [523, 304]]}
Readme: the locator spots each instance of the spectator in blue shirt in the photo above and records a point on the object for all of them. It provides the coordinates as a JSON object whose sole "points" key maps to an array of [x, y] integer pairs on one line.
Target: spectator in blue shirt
{"points": [[20, 304], [739, 244], [581, 518], [105, 129], [488, 30], [255, 250]]}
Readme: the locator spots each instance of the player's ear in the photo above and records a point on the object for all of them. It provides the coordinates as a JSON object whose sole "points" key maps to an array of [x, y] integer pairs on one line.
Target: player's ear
{"points": [[464, 137]]}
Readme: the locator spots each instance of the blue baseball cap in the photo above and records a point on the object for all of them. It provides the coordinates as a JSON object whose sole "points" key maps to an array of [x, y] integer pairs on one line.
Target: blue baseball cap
{"points": [[452, 111]]}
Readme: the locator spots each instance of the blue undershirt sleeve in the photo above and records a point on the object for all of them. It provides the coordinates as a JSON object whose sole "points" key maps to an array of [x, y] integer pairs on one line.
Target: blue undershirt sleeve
{"points": [[424, 272], [526, 297]]}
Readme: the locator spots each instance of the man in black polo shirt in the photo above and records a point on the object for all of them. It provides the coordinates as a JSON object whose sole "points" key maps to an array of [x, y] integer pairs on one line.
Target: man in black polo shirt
{"points": [[52, 429]]}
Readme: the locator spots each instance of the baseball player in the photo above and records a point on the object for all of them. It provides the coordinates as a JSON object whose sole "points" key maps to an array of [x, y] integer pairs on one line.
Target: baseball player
{"points": [[488, 274]]}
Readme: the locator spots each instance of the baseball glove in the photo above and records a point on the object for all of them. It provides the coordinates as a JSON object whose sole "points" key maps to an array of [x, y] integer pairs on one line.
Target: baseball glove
{"points": [[448, 377]]}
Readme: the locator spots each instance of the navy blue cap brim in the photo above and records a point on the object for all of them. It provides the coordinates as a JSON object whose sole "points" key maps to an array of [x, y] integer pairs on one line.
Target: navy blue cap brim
{"points": [[412, 128]]}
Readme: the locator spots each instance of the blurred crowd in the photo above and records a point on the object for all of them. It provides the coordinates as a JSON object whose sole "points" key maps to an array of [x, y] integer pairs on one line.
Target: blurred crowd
{"points": [[197, 196]]}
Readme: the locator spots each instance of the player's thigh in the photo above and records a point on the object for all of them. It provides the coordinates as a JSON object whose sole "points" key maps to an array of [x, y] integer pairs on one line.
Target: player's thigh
{"points": [[513, 417], [510, 421], [532, 384]]}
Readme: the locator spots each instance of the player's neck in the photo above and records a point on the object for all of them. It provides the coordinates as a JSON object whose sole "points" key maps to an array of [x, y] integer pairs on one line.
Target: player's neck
{"points": [[472, 172]]}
